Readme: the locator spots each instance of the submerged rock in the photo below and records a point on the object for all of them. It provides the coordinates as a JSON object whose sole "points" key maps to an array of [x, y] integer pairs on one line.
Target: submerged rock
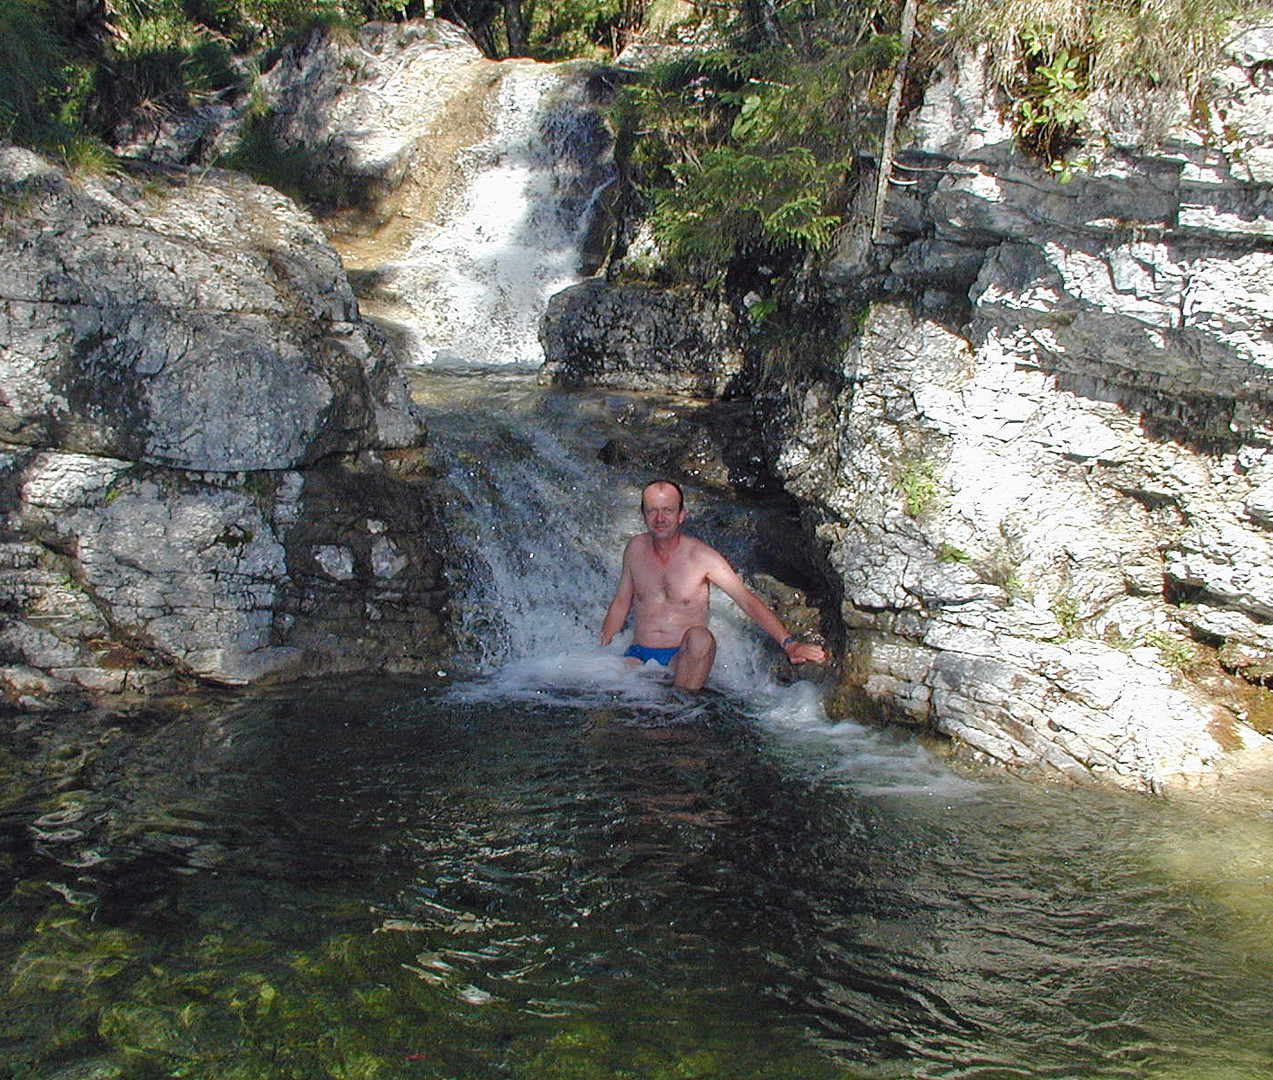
{"points": [[193, 414]]}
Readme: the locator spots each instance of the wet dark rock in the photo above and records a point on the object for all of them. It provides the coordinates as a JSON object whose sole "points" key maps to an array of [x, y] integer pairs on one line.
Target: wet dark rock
{"points": [[640, 337]]}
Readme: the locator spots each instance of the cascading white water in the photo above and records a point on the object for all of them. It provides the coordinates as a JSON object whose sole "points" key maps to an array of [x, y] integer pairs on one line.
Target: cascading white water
{"points": [[539, 527], [477, 281], [537, 522]]}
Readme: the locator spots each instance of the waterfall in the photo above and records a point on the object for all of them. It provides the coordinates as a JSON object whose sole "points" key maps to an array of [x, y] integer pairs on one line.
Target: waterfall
{"points": [[537, 527], [477, 280], [537, 522]]}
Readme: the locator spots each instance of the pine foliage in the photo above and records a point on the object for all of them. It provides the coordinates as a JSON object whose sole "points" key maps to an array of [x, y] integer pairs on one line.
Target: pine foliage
{"points": [[747, 151]]}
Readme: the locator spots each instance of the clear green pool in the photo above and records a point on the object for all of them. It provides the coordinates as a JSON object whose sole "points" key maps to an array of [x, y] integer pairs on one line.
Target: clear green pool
{"points": [[379, 881]]}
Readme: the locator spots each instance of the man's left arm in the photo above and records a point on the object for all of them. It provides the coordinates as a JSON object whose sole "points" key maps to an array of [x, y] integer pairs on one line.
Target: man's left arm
{"points": [[724, 577]]}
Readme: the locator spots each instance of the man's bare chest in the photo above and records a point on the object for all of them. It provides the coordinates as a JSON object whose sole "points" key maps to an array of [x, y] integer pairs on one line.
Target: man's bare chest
{"points": [[673, 582]]}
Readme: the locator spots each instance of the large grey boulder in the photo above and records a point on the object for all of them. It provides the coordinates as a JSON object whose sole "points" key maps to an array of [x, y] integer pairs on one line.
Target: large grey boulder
{"points": [[200, 322], [640, 337], [210, 466]]}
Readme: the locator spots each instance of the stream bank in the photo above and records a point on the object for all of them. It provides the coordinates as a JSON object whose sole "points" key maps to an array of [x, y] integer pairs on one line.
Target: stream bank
{"points": [[1029, 427]]}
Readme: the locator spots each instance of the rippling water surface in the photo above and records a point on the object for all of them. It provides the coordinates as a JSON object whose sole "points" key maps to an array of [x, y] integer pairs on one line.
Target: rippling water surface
{"points": [[554, 868], [374, 882]]}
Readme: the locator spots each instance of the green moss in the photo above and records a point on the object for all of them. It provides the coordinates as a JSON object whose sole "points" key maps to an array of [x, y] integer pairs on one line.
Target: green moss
{"points": [[917, 482]]}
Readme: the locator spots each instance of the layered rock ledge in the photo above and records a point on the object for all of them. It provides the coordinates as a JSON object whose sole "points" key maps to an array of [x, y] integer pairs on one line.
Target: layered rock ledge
{"points": [[210, 467], [1038, 459]]}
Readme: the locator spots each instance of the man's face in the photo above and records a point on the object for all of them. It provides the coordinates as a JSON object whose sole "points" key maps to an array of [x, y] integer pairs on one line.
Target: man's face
{"points": [[662, 510]]}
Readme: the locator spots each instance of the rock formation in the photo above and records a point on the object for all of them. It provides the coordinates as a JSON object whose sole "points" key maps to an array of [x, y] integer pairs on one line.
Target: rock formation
{"points": [[1039, 461], [640, 337], [466, 187], [210, 465]]}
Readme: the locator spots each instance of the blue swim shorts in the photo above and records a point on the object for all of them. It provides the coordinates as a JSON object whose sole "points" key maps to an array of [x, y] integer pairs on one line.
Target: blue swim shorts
{"points": [[644, 653]]}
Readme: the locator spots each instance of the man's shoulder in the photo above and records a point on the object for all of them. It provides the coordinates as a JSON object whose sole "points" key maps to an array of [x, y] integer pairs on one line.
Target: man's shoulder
{"points": [[701, 549]]}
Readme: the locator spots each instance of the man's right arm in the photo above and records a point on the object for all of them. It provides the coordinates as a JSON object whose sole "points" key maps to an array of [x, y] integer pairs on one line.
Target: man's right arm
{"points": [[617, 614]]}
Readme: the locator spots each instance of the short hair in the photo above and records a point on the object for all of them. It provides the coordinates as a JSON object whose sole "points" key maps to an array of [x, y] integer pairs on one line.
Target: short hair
{"points": [[671, 483]]}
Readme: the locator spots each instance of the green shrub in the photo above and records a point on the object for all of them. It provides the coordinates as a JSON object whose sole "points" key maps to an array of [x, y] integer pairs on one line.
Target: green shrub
{"points": [[160, 64], [68, 73], [732, 200], [1049, 56], [573, 28], [34, 76], [749, 151]]}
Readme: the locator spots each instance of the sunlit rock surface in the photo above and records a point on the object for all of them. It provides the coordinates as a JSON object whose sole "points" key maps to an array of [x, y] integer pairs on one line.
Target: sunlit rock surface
{"points": [[1040, 468], [201, 322], [1004, 565], [210, 464], [473, 190]]}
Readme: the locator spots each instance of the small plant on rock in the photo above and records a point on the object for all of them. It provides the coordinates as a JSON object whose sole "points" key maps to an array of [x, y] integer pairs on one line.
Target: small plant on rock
{"points": [[920, 489], [1065, 609], [1174, 652]]}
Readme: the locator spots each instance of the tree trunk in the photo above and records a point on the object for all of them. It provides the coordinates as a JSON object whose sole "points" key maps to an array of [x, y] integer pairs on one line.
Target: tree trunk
{"points": [[890, 120], [515, 28]]}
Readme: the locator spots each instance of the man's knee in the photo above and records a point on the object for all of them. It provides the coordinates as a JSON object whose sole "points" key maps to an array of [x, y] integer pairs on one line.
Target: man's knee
{"points": [[698, 642]]}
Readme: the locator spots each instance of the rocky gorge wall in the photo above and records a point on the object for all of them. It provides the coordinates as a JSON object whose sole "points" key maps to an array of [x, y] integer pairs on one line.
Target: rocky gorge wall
{"points": [[210, 467], [1038, 464]]}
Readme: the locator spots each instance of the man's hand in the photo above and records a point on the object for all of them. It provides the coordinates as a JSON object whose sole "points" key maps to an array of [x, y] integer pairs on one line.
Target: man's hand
{"points": [[803, 652]]}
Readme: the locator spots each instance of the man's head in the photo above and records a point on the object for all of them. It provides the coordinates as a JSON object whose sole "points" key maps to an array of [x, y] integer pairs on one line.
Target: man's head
{"points": [[663, 508]]}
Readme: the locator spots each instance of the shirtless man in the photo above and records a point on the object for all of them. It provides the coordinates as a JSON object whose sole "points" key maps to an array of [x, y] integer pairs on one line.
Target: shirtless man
{"points": [[667, 576]]}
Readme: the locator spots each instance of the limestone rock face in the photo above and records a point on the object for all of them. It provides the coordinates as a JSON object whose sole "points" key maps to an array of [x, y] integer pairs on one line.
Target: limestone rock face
{"points": [[1040, 468], [363, 106], [202, 324], [1046, 504], [210, 466], [1003, 563]]}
